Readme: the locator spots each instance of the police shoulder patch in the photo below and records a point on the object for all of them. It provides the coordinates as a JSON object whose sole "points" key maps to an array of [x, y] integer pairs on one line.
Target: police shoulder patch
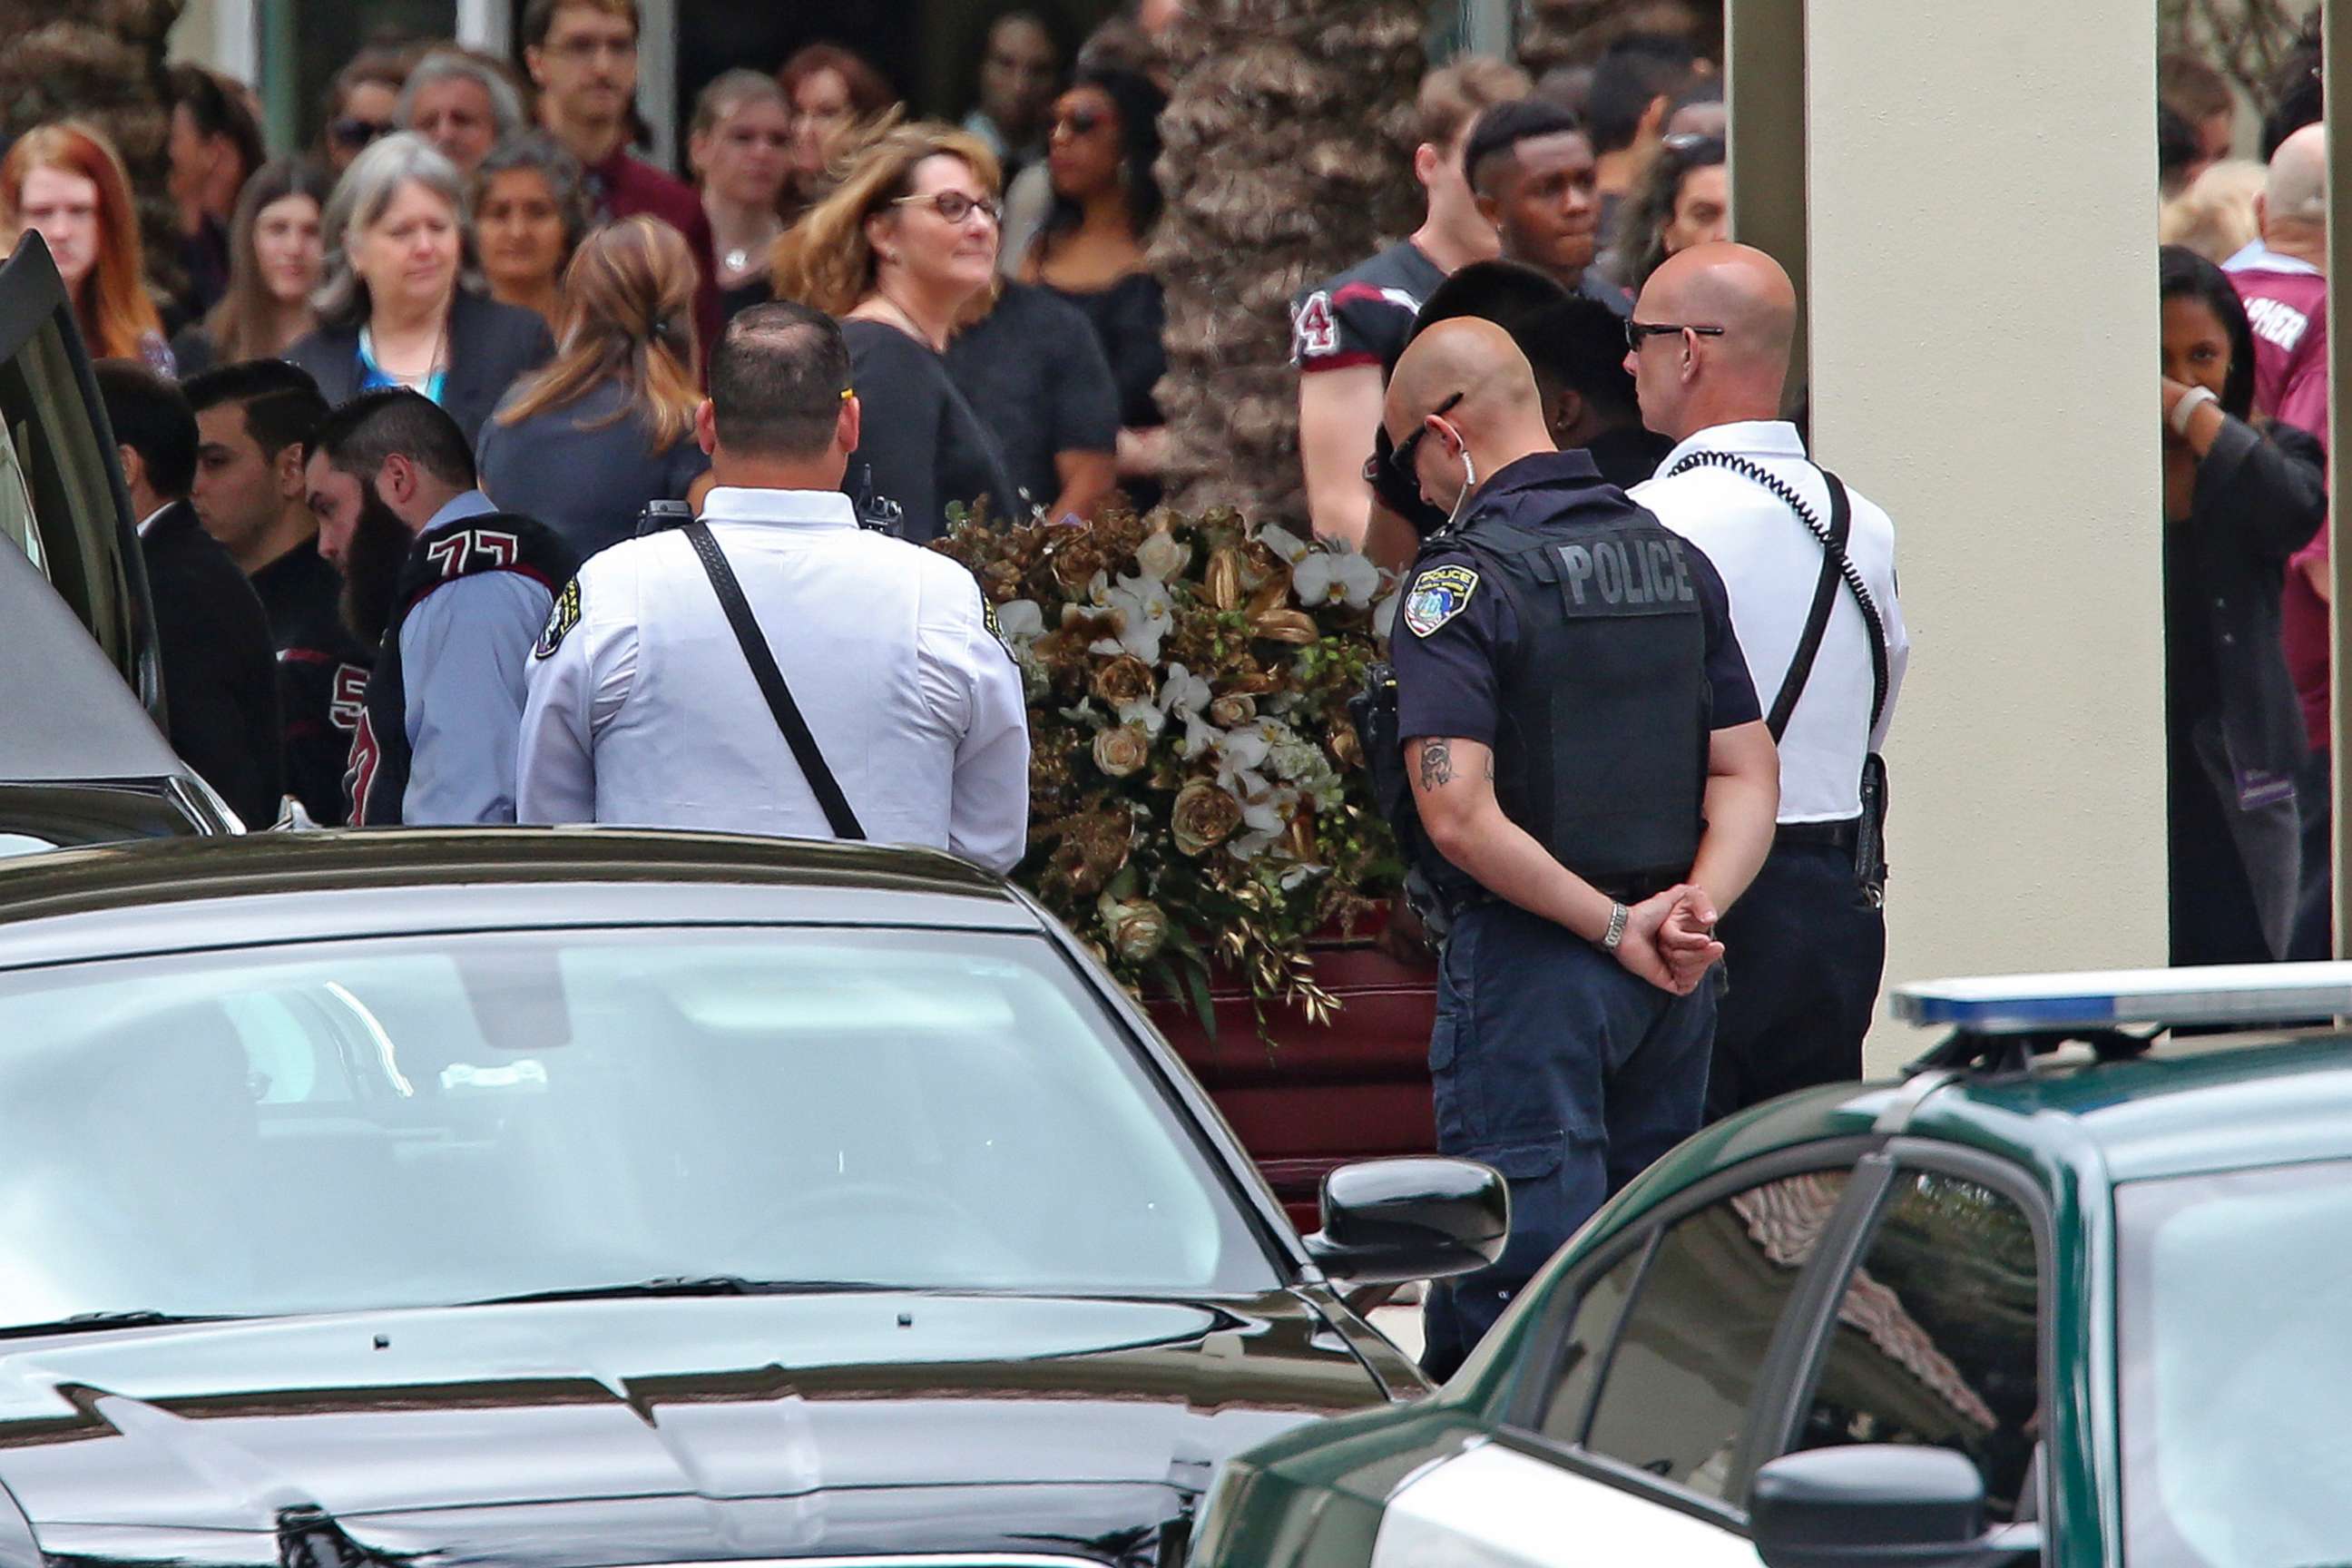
{"points": [[1436, 596], [561, 616]]}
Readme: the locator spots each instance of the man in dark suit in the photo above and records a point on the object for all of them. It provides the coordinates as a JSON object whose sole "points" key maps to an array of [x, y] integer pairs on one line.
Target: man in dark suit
{"points": [[220, 674], [252, 422]]}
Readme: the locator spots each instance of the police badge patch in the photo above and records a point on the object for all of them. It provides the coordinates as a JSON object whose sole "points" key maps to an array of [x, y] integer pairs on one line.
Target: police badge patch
{"points": [[1436, 596], [561, 616]]}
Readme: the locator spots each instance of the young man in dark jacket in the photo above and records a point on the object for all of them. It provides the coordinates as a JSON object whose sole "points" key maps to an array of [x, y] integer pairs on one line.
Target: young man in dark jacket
{"points": [[220, 673]]}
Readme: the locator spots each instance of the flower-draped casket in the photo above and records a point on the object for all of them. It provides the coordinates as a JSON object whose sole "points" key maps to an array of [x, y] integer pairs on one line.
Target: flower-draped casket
{"points": [[1201, 817]]}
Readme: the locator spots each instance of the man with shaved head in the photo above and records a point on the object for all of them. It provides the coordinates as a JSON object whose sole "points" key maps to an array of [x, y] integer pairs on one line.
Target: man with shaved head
{"points": [[2283, 279], [1591, 785], [1805, 950]]}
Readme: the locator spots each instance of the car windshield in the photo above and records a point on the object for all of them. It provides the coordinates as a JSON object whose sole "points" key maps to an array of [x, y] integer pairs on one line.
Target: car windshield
{"points": [[2232, 1292], [348, 1125]]}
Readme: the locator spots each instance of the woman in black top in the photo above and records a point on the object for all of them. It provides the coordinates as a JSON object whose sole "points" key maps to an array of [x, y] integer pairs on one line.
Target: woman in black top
{"points": [[902, 249], [2238, 500], [394, 311], [1105, 141], [741, 150]]}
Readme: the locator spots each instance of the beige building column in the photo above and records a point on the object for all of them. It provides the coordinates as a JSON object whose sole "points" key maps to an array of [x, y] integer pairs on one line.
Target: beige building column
{"points": [[1982, 296], [1764, 43]]}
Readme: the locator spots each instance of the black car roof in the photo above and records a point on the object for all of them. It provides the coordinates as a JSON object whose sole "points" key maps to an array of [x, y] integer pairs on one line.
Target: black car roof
{"points": [[184, 894], [69, 714]]}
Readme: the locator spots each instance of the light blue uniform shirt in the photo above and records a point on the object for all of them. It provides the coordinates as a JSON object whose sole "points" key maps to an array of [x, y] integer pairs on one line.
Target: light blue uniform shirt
{"points": [[464, 655]]}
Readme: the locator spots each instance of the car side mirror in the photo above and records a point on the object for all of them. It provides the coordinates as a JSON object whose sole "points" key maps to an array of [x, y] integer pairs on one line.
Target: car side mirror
{"points": [[1872, 1505], [1388, 1221]]}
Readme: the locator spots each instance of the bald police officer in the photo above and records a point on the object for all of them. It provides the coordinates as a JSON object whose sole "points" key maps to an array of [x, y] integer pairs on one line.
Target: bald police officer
{"points": [[1805, 950], [1594, 784], [648, 706]]}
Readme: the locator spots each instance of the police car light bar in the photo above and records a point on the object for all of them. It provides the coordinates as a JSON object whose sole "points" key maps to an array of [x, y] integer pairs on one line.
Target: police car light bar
{"points": [[2243, 993]]}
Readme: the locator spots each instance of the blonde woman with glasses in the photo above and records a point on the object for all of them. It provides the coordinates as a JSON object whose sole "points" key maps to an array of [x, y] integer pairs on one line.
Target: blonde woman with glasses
{"points": [[901, 251]]}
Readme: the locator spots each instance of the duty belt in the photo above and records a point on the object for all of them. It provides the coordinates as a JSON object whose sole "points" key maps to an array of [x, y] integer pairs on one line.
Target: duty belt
{"points": [[1843, 837]]}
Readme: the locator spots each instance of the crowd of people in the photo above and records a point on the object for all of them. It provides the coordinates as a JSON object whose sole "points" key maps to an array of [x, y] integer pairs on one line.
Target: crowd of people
{"points": [[394, 443], [2243, 282], [481, 239]]}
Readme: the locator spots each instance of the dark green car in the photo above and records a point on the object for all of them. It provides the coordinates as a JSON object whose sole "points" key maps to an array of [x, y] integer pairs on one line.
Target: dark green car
{"points": [[2020, 1306]]}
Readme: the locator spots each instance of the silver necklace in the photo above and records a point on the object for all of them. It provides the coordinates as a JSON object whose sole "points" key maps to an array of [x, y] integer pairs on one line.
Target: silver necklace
{"points": [[740, 259]]}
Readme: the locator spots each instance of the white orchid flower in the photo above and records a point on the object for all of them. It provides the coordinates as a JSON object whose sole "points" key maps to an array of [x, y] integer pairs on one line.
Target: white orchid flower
{"points": [[1146, 612], [1384, 615], [1163, 556], [1145, 715], [1288, 545], [1265, 817], [1330, 577], [1242, 750], [1021, 621], [1184, 692]]}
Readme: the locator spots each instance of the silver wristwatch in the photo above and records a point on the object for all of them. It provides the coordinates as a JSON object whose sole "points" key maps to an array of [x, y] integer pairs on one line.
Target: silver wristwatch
{"points": [[1618, 915]]}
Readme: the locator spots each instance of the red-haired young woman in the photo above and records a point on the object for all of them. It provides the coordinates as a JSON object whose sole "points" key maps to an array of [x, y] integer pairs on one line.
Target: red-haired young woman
{"points": [[66, 180]]}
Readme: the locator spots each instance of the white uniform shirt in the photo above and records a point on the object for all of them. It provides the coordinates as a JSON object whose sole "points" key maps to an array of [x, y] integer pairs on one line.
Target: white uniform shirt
{"points": [[643, 711], [1770, 564]]}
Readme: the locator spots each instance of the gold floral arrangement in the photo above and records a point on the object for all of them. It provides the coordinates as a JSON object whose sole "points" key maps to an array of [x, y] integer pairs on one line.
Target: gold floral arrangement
{"points": [[1197, 797]]}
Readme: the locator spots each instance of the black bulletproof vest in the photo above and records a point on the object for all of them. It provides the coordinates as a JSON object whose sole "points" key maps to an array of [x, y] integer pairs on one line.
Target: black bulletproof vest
{"points": [[495, 542], [1605, 703]]}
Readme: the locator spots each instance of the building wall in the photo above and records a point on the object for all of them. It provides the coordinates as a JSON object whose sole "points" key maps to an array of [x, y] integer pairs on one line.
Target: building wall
{"points": [[1983, 305]]}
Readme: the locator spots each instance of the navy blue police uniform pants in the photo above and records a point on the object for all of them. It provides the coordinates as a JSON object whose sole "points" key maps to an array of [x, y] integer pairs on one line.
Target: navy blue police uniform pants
{"points": [[1803, 952], [1563, 1072]]}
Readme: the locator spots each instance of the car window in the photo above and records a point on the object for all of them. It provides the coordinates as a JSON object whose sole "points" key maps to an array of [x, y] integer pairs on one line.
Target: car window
{"points": [[2233, 1363], [57, 492], [1937, 1339], [456, 1118], [1587, 1342], [1684, 1375]]}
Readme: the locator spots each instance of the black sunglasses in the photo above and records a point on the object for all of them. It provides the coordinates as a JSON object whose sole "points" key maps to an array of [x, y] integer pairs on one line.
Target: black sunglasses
{"points": [[1400, 457], [1084, 123], [355, 132], [1637, 331]]}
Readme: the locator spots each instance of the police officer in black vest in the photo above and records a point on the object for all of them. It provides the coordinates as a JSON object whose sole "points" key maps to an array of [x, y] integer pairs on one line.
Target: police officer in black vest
{"points": [[1594, 785]]}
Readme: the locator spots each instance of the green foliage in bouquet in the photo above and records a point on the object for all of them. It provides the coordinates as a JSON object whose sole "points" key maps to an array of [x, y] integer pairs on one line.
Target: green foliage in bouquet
{"points": [[1197, 790]]}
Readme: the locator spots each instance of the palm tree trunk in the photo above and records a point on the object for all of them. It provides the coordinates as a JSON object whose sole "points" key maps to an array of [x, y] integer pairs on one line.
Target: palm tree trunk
{"points": [[1577, 32], [102, 61], [1289, 158]]}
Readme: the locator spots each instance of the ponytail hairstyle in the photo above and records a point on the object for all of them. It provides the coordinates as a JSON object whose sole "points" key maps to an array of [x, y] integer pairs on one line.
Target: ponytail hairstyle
{"points": [[112, 306], [628, 316]]}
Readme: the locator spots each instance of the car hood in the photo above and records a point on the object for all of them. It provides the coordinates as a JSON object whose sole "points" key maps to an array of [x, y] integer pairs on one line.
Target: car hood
{"points": [[583, 1433]]}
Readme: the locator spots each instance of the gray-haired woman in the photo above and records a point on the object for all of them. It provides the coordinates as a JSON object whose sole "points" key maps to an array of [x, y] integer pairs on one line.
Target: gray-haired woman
{"points": [[393, 310], [462, 103], [530, 210]]}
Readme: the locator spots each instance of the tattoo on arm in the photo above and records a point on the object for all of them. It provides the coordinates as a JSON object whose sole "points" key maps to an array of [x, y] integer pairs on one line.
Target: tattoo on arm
{"points": [[1437, 764]]}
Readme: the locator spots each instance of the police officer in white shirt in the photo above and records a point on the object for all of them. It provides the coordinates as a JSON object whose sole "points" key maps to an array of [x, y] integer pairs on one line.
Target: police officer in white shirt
{"points": [[644, 710], [1805, 950]]}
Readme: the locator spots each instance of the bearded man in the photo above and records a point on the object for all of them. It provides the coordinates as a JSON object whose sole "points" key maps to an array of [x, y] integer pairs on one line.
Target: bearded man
{"points": [[450, 591]]}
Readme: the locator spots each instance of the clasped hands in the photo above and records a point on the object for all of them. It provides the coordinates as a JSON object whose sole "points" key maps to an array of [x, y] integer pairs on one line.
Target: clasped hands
{"points": [[1670, 940]]}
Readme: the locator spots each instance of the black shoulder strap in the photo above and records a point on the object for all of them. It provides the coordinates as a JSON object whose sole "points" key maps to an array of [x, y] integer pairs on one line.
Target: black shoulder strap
{"points": [[827, 789], [1841, 523], [1817, 621], [1835, 561]]}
